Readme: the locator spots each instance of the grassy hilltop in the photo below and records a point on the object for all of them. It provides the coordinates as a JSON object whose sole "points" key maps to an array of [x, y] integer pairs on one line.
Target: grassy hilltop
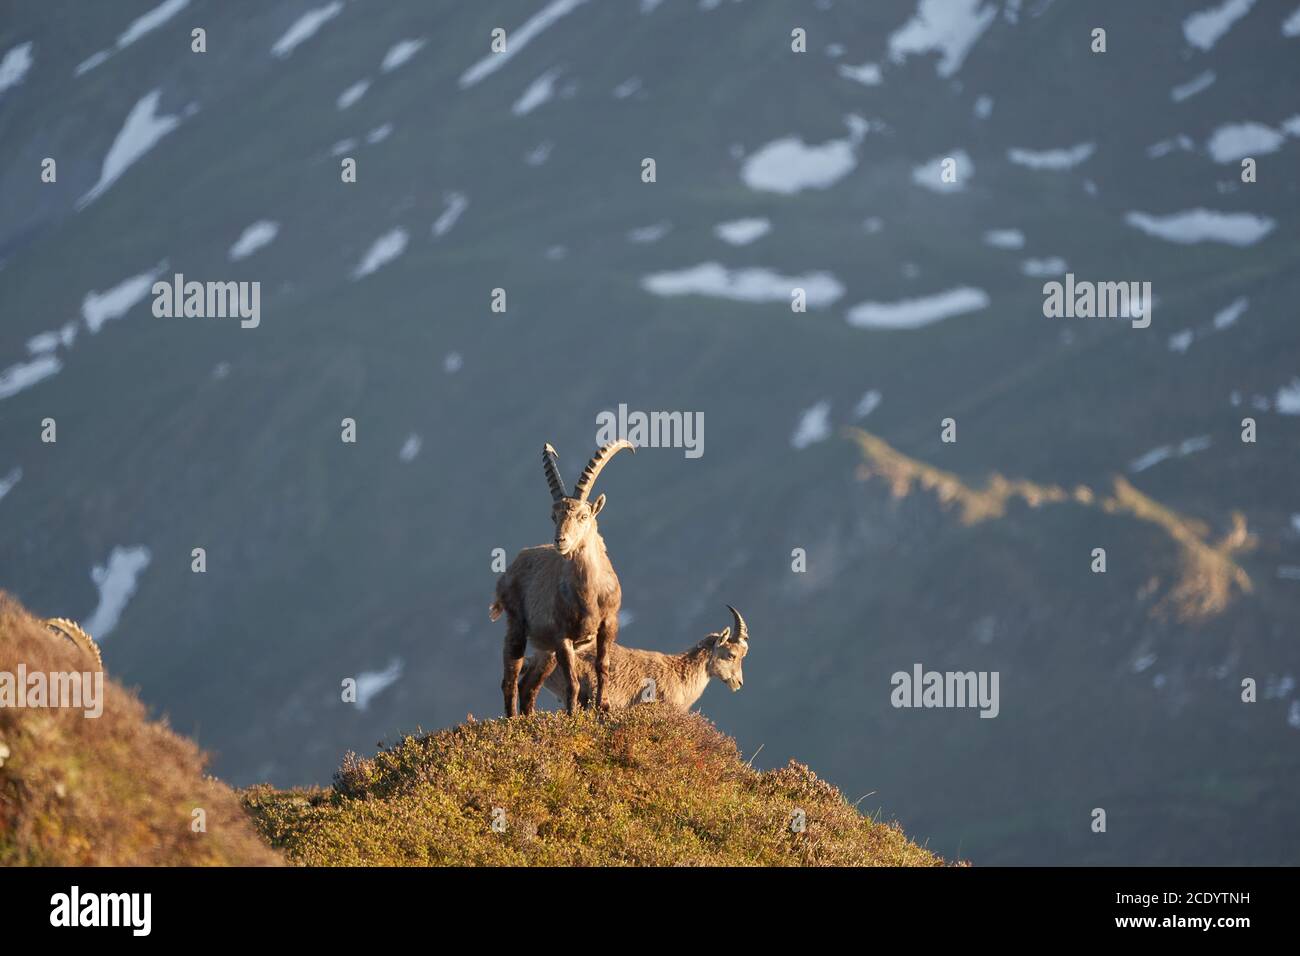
{"points": [[644, 787]]}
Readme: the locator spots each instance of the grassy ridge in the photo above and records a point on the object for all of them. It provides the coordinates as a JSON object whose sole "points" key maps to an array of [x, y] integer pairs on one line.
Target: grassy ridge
{"points": [[645, 787], [115, 790]]}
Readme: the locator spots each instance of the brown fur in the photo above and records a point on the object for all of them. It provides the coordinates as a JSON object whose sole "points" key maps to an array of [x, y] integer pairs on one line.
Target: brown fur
{"points": [[679, 679], [554, 602], [562, 596]]}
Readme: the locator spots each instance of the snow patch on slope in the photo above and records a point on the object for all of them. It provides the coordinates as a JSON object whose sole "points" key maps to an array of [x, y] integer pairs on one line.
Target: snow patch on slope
{"points": [[143, 128], [950, 27], [744, 285], [381, 252], [1203, 225], [117, 581], [259, 234], [517, 39], [915, 313], [15, 65], [304, 28]]}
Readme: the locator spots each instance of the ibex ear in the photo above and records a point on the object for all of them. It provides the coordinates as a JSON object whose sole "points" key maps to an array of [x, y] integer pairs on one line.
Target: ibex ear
{"points": [[597, 505], [723, 635]]}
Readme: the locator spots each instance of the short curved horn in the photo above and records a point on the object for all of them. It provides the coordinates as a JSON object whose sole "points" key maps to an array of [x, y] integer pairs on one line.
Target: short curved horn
{"points": [[549, 455], [742, 632], [598, 462]]}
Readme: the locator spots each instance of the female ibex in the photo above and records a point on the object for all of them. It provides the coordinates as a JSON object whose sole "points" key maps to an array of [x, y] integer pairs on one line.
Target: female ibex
{"points": [[565, 595], [642, 677]]}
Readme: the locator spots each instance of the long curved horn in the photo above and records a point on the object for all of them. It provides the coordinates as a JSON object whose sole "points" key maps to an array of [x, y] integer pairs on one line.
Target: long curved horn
{"points": [[549, 455], [599, 461], [742, 632]]}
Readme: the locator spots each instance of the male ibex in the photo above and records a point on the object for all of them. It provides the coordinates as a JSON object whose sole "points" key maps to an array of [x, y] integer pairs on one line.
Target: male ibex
{"points": [[565, 595], [638, 677]]}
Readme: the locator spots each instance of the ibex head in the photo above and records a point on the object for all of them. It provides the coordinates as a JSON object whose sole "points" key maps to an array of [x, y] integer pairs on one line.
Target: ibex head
{"points": [[728, 652], [574, 515]]}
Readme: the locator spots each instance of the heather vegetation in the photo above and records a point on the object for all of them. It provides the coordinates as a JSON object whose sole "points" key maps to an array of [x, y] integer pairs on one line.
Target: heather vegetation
{"points": [[645, 786]]}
